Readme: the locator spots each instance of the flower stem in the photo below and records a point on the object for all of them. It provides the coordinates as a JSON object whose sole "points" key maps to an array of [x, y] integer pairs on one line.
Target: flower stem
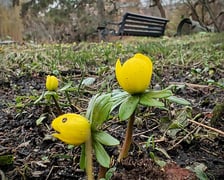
{"points": [[89, 162], [69, 101], [57, 105], [128, 138]]}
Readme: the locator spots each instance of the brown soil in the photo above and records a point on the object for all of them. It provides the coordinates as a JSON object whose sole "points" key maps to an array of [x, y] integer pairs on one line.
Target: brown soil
{"points": [[36, 156]]}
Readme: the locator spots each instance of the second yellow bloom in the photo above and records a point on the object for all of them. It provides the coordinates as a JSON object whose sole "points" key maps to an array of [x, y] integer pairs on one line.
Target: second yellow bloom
{"points": [[71, 128], [51, 83]]}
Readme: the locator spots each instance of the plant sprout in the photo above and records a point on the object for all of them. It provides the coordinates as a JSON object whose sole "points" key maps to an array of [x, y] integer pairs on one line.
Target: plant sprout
{"points": [[86, 131], [134, 77]]}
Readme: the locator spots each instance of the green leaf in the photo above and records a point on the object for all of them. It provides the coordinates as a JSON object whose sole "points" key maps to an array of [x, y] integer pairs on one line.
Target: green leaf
{"points": [[20, 105], [40, 119], [128, 107], [99, 109], [118, 97], [6, 160], [109, 174], [148, 101], [88, 81], [161, 163], [82, 160], [179, 100], [40, 98], [179, 122], [105, 138], [199, 170], [101, 155], [163, 151], [175, 125], [90, 107], [158, 94], [66, 87], [50, 93], [150, 142]]}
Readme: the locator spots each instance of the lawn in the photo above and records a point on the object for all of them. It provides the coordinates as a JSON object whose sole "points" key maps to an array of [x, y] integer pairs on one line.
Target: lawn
{"points": [[175, 142]]}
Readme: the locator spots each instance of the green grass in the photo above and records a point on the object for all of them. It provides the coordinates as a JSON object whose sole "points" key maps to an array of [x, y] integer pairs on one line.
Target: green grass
{"points": [[202, 48]]}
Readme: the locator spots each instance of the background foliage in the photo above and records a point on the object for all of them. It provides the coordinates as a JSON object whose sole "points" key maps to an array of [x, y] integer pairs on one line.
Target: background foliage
{"points": [[76, 20]]}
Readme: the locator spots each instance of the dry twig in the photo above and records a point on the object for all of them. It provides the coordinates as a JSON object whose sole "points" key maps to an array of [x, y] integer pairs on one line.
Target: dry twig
{"points": [[208, 127]]}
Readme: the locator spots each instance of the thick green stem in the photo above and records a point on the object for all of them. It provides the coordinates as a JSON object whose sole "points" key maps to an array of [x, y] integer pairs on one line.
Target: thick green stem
{"points": [[128, 138], [57, 105], [89, 156]]}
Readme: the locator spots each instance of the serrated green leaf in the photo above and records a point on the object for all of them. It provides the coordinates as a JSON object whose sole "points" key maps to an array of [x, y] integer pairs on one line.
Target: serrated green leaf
{"points": [[157, 94], [66, 87], [105, 138], [145, 100], [128, 107], [179, 100], [101, 155]]}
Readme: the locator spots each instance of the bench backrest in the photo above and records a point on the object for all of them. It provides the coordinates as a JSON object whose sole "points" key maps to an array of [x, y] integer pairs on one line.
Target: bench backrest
{"points": [[139, 25]]}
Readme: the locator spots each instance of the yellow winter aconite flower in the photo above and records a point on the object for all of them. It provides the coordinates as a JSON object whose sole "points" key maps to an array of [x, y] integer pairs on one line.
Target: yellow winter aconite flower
{"points": [[135, 74], [51, 83], [71, 128]]}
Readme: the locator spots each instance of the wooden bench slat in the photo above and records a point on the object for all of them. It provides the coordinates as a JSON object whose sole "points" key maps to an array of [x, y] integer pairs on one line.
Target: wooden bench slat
{"points": [[143, 28], [143, 24], [134, 33], [138, 25], [146, 19]]}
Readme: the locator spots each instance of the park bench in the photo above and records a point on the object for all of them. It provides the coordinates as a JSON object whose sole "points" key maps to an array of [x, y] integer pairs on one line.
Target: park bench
{"points": [[135, 25]]}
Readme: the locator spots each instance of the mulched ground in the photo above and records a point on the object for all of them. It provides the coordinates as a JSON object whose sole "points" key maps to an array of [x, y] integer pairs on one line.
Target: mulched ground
{"points": [[36, 156]]}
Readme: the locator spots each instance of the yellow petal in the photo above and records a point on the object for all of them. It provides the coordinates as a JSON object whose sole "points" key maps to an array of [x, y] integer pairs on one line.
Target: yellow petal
{"points": [[135, 74], [51, 83], [72, 128]]}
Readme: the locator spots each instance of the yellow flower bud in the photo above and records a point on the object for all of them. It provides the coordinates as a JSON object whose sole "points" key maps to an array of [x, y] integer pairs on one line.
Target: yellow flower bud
{"points": [[51, 83], [135, 74], [71, 128]]}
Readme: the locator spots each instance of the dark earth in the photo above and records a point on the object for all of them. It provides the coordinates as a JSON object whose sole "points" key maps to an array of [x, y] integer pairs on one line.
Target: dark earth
{"points": [[32, 153]]}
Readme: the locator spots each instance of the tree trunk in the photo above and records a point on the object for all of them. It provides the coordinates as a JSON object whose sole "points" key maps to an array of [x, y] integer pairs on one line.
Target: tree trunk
{"points": [[101, 12], [160, 7], [206, 5]]}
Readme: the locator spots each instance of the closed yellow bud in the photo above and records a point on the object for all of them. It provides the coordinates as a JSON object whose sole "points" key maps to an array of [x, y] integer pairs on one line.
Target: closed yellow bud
{"points": [[134, 76], [71, 128], [51, 83]]}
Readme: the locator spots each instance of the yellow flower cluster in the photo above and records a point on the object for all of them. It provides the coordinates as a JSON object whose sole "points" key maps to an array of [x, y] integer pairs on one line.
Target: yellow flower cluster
{"points": [[134, 76]]}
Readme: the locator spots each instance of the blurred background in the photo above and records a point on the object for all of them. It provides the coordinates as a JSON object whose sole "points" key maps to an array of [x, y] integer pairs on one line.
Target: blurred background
{"points": [[69, 21]]}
